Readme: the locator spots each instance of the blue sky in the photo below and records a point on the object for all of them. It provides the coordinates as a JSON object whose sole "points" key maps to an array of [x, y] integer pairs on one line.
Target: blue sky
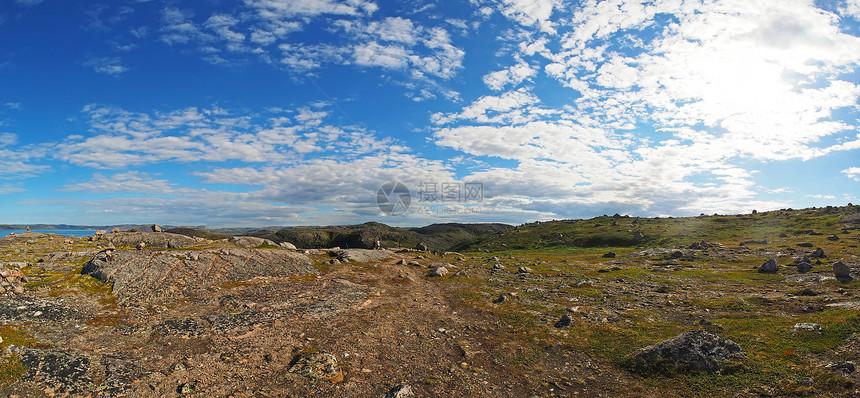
{"points": [[291, 112]]}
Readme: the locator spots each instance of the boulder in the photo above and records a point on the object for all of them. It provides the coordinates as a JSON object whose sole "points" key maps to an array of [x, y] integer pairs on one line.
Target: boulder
{"points": [[287, 246], [317, 365], [153, 240], [841, 271], [769, 267], [249, 242], [422, 247], [804, 267], [610, 255], [401, 391], [438, 272], [143, 278], [807, 327], [638, 236], [833, 238], [817, 253], [698, 351], [155, 228], [361, 255], [565, 321]]}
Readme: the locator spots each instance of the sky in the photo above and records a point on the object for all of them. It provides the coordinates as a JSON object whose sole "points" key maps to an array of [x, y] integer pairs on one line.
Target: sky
{"points": [[325, 112]]}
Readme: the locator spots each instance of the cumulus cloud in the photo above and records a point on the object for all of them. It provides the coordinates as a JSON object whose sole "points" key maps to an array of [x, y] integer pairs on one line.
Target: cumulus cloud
{"points": [[353, 35], [852, 172], [718, 83], [515, 74]]}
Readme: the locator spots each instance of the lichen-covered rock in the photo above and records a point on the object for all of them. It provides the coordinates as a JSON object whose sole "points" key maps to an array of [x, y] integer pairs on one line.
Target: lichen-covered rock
{"points": [[163, 240], [318, 365], [697, 350], [250, 241], [142, 278]]}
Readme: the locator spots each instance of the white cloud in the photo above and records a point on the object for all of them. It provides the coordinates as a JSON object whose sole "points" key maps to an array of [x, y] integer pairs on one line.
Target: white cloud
{"points": [[851, 8], [529, 12], [276, 9], [107, 65], [14, 105], [513, 75], [512, 107], [120, 138], [852, 172], [7, 139], [6, 189]]}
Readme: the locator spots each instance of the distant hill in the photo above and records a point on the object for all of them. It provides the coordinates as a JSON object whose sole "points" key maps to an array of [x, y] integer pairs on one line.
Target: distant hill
{"points": [[440, 237], [621, 231]]}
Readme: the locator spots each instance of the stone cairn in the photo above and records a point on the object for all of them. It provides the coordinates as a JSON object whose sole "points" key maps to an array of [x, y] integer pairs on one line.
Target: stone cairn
{"points": [[12, 281]]}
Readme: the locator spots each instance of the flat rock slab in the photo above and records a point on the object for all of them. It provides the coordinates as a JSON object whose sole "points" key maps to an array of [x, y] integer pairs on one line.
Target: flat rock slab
{"points": [[362, 255], [64, 372], [808, 278], [29, 310], [142, 278], [154, 240]]}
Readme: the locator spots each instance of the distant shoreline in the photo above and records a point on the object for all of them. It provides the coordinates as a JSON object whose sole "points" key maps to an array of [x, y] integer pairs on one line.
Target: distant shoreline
{"points": [[65, 232]]}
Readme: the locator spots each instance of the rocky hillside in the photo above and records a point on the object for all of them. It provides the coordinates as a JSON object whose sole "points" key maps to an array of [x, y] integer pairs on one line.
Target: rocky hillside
{"points": [[756, 305], [440, 237]]}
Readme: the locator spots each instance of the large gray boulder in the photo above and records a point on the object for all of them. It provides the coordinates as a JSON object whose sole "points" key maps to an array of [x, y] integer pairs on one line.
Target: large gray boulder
{"points": [[249, 242], [361, 255], [153, 240], [769, 267], [698, 351], [143, 278]]}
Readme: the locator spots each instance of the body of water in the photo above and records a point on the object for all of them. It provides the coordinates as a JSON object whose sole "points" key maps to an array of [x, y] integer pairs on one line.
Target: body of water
{"points": [[67, 232]]}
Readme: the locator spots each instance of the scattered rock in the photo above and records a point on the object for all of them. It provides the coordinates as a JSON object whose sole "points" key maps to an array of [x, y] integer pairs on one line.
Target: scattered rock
{"points": [[438, 272], [565, 321], [843, 366], [287, 246], [187, 388], [422, 247], [841, 271], [807, 327], [114, 230], [638, 236], [833, 238], [317, 365], [783, 235], [769, 267], [498, 267], [804, 267], [817, 253], [524, 270], [401, 391], [805, 244], [502, 298], [155, 228], [697, 350], [12, 281], [609, 255], [141, 245]]}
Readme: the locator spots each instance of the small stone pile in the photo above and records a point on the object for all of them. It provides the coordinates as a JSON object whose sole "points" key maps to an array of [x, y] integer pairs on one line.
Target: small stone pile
{"points": [[12, 281]]}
